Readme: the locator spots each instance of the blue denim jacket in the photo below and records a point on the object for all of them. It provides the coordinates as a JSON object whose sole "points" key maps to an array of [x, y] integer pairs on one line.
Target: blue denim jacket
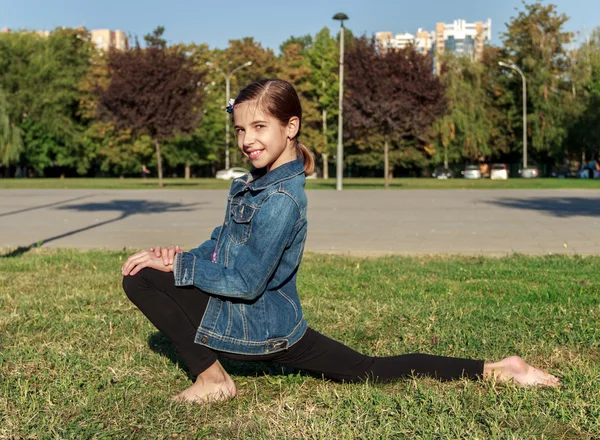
{"points": [[249, 265]]}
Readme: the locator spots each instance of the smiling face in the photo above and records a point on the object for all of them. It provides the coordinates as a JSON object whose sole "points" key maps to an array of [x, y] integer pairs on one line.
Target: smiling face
{"points": [[262, 138]]}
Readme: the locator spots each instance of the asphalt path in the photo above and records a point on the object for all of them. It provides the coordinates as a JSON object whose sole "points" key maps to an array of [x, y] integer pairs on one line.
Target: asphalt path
{"points": [[356, 222]]}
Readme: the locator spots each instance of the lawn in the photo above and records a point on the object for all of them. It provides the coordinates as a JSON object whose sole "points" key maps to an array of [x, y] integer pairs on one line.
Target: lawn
{"points": [[79, 361], [351, 183]]}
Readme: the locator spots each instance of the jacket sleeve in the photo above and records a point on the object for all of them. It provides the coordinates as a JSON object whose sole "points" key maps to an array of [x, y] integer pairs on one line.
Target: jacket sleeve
{"points": [[272, 227], [206, 249]]}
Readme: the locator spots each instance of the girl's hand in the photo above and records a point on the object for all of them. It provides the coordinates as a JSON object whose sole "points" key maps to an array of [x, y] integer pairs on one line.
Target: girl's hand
{"points": [[143, 259], [167, 253]]}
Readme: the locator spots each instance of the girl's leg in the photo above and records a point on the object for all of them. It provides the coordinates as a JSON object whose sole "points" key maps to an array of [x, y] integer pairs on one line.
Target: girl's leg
{"points": [[335, 361], [177, 312], [320, 354]]}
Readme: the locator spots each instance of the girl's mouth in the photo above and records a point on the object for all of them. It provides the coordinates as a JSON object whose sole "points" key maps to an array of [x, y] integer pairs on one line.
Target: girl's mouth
{"points": [[254, 154]]}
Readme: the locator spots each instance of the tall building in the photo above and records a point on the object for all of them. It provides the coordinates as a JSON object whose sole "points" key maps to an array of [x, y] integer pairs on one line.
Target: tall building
{"points": [[104, 39], [423, 41], [459, 37], [462, 38]]}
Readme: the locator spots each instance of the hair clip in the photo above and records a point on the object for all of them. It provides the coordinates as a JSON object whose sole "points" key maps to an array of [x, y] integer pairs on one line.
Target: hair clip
{"points": [[229, 108]]}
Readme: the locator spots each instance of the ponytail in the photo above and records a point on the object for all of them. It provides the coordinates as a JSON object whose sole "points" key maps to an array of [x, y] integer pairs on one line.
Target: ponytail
{"points": [[307, 159]]}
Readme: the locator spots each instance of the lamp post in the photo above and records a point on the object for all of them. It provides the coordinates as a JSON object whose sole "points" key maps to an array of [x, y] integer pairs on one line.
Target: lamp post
{"points": [[340, 148], [514, 67], [227, 77]]}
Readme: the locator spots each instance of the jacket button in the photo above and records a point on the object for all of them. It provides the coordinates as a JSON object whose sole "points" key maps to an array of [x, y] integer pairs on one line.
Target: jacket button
{"points": [[204, 339]]}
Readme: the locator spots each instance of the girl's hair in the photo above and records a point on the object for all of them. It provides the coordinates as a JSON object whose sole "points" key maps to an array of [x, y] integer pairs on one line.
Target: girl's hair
{"points": [[279, 99]]}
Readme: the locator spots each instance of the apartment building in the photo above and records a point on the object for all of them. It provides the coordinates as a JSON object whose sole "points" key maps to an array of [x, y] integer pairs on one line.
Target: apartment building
{"points": [[462, 38], [422, 42], [458, 37], [104, 39]]}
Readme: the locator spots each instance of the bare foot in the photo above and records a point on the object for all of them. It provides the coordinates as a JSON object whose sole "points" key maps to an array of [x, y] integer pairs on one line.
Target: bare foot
{"points": [[516, 369], [212, 385]]}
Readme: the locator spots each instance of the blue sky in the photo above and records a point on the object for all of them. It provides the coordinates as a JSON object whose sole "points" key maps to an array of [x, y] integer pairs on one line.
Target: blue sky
{"points": [[272, 21]]}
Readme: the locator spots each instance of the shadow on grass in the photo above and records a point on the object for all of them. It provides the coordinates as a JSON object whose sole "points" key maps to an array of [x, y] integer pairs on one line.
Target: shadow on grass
{"points": [[126, 207], [160, 344], [556, 206]]}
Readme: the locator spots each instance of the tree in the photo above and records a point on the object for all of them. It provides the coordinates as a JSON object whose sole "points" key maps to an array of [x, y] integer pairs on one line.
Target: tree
{"points": [[11, 142], [294, 68], [323, 59], [584, 133], [536, 42], [391, 93], [152, 91], [239, 52], [40, 76], [464, 132]]}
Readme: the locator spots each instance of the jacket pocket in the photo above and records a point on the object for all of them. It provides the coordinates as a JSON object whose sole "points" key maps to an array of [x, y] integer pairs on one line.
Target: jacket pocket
{"points": [[240, 225]]}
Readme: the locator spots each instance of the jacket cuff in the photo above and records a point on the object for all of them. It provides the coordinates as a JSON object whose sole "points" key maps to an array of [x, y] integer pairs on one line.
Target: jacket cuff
{"points": [[183, 269]]}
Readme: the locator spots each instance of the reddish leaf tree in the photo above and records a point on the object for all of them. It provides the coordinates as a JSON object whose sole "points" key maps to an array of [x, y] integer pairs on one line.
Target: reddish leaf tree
{"points": [[393, 93], [154, 91]]}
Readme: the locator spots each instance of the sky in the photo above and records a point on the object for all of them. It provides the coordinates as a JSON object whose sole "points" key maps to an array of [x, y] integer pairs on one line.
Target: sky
{"points": [[271, 22]]}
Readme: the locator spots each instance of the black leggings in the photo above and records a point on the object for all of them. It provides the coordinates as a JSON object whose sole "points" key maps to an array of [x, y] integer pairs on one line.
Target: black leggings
{"points": [[177, 312]]}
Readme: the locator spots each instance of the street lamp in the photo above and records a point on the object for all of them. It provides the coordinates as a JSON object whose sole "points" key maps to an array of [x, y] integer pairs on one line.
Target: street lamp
{"points": [[340, 148], [227, 77], [514, 67]]}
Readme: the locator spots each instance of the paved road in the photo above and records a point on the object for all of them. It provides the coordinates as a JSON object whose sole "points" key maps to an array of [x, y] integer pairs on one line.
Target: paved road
{"points": [[361, 222]]}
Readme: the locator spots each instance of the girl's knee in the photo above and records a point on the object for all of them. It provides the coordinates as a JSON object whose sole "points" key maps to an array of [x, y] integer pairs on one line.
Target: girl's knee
{"points": [[132, 285]]}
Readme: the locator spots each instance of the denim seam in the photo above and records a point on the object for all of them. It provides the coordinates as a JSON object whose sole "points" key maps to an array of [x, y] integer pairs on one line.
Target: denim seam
{"points": [[290, 301]]}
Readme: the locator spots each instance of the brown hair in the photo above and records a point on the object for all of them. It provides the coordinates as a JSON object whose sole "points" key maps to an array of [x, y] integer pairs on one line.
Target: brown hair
{"points": [[279, 99]]}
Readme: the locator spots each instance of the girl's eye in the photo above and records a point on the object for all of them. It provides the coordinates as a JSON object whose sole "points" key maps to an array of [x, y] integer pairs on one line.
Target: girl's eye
{"points": [[259, 126], [238, 130]]}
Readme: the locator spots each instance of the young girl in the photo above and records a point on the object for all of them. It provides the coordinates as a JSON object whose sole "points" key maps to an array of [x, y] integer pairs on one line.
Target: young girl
{"points": [[235, 295]]}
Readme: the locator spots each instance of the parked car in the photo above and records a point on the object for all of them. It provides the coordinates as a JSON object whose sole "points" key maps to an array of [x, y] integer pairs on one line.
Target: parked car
{"points": [[231, 173], [471, 172], [442, 173], [499, 171], [530, 172], [563, 172]]}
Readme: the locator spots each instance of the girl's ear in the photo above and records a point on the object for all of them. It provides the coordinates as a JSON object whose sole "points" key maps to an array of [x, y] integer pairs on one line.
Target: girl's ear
{"points": [[292, 127]]}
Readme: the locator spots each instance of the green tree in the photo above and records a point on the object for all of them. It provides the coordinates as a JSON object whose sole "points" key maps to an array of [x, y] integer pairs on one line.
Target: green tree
{"points": [[323, 59], [11, 142], [264, 65], [464, 132], [40, 76], [584, 134], [535, 41]]}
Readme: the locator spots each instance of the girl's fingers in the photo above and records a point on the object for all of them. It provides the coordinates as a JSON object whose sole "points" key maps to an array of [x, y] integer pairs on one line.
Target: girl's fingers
{"points": [[158, 251], [171, 255], [139, 267], [133, 261]]}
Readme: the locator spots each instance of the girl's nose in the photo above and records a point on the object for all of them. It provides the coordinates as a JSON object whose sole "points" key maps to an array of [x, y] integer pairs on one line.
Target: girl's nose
{"points": [[248, 139]]}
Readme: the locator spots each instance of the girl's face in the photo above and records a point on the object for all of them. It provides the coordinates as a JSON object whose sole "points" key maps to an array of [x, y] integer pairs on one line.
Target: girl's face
{"points": [[262, 138]]}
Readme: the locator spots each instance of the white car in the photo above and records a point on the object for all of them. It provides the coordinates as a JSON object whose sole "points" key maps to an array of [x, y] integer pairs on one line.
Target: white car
{"points": [[231, 173], [499, 172], [471, 172]]}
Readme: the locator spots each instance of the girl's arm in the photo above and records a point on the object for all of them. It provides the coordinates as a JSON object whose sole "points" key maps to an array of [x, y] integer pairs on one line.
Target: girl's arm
{"points": [[272, 228]]}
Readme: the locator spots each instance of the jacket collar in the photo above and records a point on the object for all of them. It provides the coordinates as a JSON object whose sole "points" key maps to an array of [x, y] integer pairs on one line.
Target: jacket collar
{"points": [[259, 179]]}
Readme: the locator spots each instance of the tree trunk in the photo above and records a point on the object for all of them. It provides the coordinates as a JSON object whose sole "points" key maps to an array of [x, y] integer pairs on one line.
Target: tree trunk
{"points": [[159, 163], [325, 166], [187, 169], [445, 157], [324, 155], [386, 163]]}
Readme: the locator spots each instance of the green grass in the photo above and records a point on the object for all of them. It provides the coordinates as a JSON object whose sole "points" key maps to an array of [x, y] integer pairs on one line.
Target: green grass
{"points": [[352, 183], [79, 361]]}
